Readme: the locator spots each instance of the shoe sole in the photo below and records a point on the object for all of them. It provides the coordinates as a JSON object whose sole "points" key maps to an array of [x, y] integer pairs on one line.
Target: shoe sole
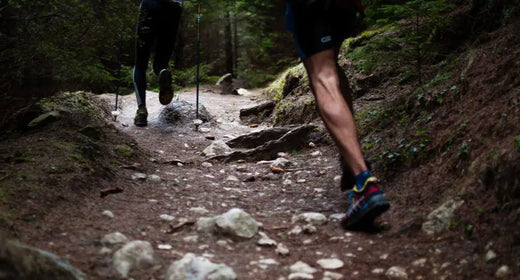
{"points": [[377, 205], [140, 124], [165, 87]]}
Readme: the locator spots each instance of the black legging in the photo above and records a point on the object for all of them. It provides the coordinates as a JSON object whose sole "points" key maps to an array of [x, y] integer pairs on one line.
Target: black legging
{"points": [[157, 27]]}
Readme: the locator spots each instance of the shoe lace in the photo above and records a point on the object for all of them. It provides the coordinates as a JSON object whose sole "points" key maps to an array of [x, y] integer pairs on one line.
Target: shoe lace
{"points": [[355, 203]]}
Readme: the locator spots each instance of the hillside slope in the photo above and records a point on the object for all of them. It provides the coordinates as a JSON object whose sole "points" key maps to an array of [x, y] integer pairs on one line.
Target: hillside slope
{"points": [[455, 138]]}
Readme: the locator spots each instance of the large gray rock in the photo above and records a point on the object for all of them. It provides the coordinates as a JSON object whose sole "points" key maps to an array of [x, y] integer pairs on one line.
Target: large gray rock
{"points": [[20, 261], [294, 139], [135, 254], [182, 113], [440, 218], [191, 267], [206, 225], [258, 138], [217, 148], [237, 223]]}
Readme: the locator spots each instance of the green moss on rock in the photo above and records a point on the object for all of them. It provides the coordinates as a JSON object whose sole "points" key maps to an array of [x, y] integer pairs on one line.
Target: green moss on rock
{"points": [[276, 90], [295, 111], [44, 119], [124, 151], [79, 106]]}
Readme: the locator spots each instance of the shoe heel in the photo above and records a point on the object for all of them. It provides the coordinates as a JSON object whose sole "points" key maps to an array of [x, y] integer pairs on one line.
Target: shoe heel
{"points": [[165, 87]]}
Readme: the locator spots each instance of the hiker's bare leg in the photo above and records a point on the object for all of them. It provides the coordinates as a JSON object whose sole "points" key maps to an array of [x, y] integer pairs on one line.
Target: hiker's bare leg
{"points": [[333, 108], [344, 85]]}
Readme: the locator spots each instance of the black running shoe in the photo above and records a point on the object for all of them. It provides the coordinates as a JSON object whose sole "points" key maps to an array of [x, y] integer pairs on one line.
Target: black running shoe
{"points": [[141, 117], [365, 205], [165, 87]]}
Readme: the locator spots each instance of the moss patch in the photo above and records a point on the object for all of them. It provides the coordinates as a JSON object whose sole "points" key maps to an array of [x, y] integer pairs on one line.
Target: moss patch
{"points": [[124, 151], [295, 111], [277, 89]]}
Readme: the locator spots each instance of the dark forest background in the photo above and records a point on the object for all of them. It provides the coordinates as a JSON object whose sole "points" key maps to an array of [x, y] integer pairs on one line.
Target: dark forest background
{"points": [[48, 46]]}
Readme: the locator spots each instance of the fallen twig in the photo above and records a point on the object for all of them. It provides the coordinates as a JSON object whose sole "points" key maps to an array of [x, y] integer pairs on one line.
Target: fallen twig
{"points": [[177, 227], [275, 169], [132, 167], [106, 192]]}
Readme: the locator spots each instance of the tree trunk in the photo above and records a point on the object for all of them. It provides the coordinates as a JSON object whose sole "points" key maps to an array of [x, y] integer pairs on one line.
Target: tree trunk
{"points": [[228, 47], [235, 40]]}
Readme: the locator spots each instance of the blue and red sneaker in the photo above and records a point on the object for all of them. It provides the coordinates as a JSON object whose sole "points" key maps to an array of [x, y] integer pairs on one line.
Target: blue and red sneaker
{"points": [[347, 178], [365, 204]]}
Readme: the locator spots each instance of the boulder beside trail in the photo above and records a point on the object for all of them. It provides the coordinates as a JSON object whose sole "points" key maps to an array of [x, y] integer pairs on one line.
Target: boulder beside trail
{"points": [[237, 223], [182, 113], [440, 218], [294, 139], [255, 139], [20, 261], [206, 225], [135, 254]]}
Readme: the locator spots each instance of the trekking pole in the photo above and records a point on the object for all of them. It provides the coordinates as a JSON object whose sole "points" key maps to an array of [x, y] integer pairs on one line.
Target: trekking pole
{"points": [[198, 59], [117, 96], [116, 111]]}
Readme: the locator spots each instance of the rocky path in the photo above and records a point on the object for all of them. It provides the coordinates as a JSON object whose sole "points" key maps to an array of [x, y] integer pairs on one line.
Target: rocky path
{"points": [[180, 216]]}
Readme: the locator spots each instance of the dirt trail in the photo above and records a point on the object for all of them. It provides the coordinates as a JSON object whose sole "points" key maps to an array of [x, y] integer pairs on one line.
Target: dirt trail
{"points": [[271, 199]]}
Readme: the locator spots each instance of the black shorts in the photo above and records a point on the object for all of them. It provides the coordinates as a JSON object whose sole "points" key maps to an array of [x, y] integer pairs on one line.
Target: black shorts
{"points": [[317, 27]]}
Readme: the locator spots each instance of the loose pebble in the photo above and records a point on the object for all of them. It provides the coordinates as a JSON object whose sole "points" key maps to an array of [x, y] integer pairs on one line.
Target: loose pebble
{"points": [[108, 213], [167, 217], [502, 272], [330, 263]]}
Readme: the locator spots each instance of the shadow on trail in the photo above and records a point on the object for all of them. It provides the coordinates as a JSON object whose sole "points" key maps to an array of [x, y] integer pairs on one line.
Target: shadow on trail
{"points": [[370, 228]]}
